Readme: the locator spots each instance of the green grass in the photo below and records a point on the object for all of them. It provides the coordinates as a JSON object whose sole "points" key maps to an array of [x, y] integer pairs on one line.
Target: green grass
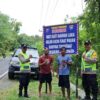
{"points": [[12, 93], [73, 80]]}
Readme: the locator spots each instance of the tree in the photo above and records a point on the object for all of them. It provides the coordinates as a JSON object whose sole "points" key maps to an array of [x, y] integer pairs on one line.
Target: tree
{"points": [[90, 21], [8, 33]]}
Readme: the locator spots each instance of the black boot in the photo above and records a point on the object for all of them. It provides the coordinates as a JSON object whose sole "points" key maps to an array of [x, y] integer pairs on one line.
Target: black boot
{"points": [[25, 93], [87, 98], [20, 93], [94, 98]]}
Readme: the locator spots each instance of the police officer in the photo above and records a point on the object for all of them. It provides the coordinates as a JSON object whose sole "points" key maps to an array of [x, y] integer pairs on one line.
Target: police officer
{"points": [[88, 71], [25, 71]]}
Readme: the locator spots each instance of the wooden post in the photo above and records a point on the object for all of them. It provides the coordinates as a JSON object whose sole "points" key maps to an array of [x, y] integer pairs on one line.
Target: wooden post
{"points": [[46, 87], [77, 71], [76, 82]]}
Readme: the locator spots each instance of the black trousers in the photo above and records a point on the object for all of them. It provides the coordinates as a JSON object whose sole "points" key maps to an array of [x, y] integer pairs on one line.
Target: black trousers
{"points": [[24, 82], [90, 85]]}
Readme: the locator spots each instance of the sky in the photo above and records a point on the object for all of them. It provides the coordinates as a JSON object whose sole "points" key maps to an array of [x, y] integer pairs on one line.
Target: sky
{"points": [[34, 14]]}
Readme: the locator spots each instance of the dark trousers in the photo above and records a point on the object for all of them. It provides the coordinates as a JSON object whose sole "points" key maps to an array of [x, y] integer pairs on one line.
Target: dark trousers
{"points": [[90, 85], [23, 83]]}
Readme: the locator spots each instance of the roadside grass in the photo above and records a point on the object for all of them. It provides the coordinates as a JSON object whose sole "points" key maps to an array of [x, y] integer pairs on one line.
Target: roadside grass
{"points": [[12, 93], [73, 80]]}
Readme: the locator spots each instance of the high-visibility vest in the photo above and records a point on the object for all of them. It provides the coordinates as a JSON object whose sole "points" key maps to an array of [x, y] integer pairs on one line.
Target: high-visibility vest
{"points": [[24, 66], [88, 67]]}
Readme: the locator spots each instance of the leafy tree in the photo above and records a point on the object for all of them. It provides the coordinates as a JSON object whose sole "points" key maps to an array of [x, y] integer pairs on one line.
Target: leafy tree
{"points": [[90, 22], [8, 33]]}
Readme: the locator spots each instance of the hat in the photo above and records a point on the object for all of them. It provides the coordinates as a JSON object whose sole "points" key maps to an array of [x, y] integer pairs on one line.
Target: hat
{"points": [[87, 42], [23, 46]]}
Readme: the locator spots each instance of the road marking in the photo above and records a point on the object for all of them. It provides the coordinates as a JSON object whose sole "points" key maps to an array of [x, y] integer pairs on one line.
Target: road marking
{"points": [[1, 76]]}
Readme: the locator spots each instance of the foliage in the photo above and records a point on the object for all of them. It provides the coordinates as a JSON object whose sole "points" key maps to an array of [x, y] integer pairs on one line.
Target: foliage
{"points": [[8, 33], [90, 25], [10, 37], [90, 22]]}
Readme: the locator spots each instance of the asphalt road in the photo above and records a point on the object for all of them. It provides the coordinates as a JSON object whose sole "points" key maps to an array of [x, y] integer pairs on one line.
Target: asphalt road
{"points": [[5, 82], [4, 64]]}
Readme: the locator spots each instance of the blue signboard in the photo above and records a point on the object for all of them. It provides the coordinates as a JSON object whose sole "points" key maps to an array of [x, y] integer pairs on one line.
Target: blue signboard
{"points": [[58, 36]]}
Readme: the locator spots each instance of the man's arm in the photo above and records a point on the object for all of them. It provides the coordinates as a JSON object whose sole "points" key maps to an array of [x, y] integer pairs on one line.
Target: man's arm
{"points": [[89, 60], [93, 59], [41, 62], [22, 59], [69, 63]]}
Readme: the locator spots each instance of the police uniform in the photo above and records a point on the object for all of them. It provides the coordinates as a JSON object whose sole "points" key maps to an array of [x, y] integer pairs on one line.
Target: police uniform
{"points": [[25, 73], [89, 70]]}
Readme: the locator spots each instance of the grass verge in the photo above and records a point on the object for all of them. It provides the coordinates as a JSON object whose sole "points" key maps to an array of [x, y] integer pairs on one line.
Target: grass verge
{"points": [[12, 93]]}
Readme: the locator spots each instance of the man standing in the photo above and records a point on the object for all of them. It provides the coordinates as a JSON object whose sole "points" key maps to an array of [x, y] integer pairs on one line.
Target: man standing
{"points": [[64, 61], [88, 71], [45, 63], [25, 71]]}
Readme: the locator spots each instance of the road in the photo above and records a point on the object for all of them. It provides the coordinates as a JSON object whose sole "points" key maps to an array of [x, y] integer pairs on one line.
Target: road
{"points": [[5, 82], [4, 64]]}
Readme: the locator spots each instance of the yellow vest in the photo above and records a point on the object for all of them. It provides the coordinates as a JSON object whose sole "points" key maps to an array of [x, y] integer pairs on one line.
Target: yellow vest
{"points": [[88, 68], [24, 66]]}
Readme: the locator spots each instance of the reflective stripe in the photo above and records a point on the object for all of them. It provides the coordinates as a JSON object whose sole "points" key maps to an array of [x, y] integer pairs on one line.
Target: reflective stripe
{"points": [[88, 69], [87, 64], [92, 72], [26, 67]]}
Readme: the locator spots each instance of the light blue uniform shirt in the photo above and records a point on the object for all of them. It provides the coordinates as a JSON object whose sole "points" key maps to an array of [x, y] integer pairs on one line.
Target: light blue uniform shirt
{"points": [[63, 69]]}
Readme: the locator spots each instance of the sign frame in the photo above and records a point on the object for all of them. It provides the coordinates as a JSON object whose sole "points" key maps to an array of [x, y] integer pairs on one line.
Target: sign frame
{"points": [[51, 36]]}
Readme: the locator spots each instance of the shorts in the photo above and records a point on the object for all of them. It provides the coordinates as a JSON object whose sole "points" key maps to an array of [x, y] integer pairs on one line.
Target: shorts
{"points": [[45, 78], [64, 81]]}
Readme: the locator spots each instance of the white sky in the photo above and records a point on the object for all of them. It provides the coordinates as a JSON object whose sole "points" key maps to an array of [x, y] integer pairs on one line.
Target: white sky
{"points": [[33, 14]]}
